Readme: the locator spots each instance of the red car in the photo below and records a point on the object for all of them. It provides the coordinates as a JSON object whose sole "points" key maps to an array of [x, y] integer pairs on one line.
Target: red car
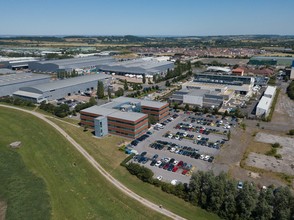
{"points": [[180, 164], [175, 169], [185, 172], [166, 166]]}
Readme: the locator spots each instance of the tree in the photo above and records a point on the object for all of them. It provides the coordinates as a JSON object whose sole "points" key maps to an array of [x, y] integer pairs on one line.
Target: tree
{"points": [[167, 83], [92, 101], [119, 92], [176, 105], [264, 209], [151, 120], [282, 203], [144, 79], [291, 132], [187, 107], [126, 87], [246, 201], [109, 93], [100, 90]]}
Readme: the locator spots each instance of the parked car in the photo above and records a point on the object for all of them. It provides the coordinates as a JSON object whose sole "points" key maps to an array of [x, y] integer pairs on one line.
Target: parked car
{"points": [[240, 185]]}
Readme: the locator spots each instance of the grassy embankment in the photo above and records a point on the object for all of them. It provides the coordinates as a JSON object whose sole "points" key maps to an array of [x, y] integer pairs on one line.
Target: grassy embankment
{"points": [[47, 178], [106, 152]]}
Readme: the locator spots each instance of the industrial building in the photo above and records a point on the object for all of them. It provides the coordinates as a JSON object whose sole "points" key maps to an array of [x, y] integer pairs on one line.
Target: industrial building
{"points": [[142, 66], [82, 63], [61, 88], [264, 105], [16, 63], [127, 117], [239, 84], [209, 97], [10, 83]]}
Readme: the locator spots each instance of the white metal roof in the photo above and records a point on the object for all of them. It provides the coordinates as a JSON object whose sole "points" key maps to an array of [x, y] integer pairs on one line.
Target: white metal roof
{"points": [[264, 103], [270, 90]]}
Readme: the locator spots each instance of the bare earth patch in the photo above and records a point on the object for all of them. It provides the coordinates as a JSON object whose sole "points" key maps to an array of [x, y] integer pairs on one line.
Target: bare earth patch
{"points": [[284, 165], [3, 208]]}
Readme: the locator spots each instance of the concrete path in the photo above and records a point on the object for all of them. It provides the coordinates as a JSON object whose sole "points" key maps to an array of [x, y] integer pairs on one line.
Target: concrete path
{"points": [[99, 168]]}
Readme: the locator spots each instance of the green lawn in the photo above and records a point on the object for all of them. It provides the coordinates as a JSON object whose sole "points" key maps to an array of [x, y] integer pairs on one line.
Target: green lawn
{"points": [[106, 152], [50, 179]]}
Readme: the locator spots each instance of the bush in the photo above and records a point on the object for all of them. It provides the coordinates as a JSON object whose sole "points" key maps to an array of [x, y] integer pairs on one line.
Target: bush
{"points": [[141, 172], [291, 132], [271, 152], [127, 159], [276, 145]]}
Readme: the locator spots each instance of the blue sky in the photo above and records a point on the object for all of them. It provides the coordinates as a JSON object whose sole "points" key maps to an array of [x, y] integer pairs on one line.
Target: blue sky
{"points": [[146, 17]]}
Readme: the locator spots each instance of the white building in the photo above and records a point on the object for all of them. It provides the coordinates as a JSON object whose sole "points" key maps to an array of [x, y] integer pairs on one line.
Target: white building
{"points": [[264, 105], [270, 91]]}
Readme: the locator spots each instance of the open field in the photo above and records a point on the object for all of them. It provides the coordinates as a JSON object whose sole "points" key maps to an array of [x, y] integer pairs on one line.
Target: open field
{"points": [[283, 165], [76, 190], [106, 152]]}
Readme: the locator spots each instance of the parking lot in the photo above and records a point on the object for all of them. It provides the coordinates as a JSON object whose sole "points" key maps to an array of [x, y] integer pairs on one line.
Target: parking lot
{"points": [[186, 143]]}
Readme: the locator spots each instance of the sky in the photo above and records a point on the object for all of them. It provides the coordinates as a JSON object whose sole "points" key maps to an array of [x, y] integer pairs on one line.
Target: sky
{"points": [[146, 17]]}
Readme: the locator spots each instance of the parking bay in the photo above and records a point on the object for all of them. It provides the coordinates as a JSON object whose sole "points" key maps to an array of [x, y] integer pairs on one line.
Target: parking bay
{"points": [[196, 163]]}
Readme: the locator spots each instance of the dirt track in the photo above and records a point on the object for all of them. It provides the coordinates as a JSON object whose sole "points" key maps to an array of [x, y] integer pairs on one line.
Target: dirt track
{"points": [[99, 168]]}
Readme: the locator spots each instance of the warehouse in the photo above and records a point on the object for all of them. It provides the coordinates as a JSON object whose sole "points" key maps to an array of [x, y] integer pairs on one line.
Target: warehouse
{"points": [[62, 88], [10, 83], [142, 66], [85, 63], [127, 117], [202, 97], [240, 84], [264, 105]]}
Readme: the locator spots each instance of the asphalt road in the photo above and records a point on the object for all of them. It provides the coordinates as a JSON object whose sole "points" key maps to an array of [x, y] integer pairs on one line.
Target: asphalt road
{"points": [[99, 168]]}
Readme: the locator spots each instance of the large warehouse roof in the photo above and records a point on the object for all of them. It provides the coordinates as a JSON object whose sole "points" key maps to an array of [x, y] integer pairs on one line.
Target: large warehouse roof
{"points": [[139, 66], [74, 63], [20, 77], [59, 84]]}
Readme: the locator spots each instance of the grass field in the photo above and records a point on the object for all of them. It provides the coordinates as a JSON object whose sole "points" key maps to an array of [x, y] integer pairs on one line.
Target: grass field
{"points": [[50, 179], [106, 152]]}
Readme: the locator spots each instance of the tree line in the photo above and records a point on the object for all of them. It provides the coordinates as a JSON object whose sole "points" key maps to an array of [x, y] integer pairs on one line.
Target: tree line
{"points": [[290, 90], [175, 73], [220, 195]]}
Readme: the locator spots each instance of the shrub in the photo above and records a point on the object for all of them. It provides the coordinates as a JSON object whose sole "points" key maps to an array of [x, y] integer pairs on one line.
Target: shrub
{"points": [[291, 132]]}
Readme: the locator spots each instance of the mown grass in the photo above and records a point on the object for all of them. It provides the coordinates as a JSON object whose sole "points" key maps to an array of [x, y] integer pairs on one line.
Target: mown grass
{"points": [[107, 153], [47, 167], [24, 192]]}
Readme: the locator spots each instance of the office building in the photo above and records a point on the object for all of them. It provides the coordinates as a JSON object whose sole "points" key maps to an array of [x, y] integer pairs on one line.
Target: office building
{"points": [[127, 117]]}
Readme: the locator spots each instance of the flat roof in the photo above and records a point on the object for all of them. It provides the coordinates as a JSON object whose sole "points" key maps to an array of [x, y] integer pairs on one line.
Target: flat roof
{"points": [[58, 84], [270, 90], [139, 66], [79, 60], [6, 71], [98, 110], [15, 78], [149, 103], [115, 113], [264, 103], [129, 116], [27, 94]]}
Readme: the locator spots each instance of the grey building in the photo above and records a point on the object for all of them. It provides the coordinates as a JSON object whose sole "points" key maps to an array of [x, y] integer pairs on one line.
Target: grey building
{"points": [[69, 65], [62, 88], [138, 67], [10, 83]]}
